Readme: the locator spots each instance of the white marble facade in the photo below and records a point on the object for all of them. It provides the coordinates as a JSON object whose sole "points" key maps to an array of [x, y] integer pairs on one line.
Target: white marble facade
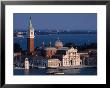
{"points": [[72, 58]]}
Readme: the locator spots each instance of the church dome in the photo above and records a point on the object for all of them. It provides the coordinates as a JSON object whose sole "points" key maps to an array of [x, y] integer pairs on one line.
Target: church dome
{"points": [[58, 44]]}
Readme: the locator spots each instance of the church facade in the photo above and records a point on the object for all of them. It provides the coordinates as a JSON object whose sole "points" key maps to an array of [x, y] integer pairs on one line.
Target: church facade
{"points": [[72, 58]]}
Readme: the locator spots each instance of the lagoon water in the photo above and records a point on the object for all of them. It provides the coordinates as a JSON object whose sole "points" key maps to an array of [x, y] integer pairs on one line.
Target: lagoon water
{"points": [[43, 71], [78, 39]]}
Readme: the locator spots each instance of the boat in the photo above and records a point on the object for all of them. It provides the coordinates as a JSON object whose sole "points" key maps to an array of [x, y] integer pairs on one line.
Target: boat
{"points": [[59, 73], [18, 68], [41, 67], [50, 73], [55, 73]]}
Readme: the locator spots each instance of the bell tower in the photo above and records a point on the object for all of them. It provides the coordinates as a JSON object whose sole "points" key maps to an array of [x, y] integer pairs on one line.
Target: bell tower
{"points": [[30, 38]]}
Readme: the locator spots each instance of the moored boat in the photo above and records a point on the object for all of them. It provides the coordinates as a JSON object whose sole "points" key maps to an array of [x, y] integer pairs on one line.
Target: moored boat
{"points": [[59, 73]]}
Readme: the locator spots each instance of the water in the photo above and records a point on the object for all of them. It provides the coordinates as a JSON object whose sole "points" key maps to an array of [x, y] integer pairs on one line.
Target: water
{"points": [[42, 71], [78, 39]]}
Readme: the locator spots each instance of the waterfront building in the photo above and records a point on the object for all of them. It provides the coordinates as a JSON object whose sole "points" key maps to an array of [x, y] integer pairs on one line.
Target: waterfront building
{"points": [[30, 38], [34, 61], [43, 62], [54, 63], [92, 52], [92, 60], [40, 62], [72, 58], [26, 64], [17, 58], [83, 56]]}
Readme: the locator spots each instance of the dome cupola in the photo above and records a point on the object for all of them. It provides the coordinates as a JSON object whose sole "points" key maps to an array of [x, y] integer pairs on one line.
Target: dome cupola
{"points": [[58, 44]]}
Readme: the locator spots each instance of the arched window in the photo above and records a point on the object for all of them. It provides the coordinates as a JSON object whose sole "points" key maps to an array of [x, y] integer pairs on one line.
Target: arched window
{"points": [[71, 62]]}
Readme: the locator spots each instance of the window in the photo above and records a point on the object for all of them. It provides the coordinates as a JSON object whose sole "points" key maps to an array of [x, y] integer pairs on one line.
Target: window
{"points": [[31, 33]]}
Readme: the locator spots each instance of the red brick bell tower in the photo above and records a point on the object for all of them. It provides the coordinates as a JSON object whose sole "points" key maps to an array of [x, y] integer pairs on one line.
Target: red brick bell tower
{"points": [[30, 38]]}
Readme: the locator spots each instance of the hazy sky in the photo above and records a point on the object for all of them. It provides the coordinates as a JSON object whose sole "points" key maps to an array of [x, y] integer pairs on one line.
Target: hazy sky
{"points": [[54, 21]]}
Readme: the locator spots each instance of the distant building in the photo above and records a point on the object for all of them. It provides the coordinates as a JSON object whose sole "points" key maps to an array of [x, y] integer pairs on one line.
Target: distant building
{"points": [[54, 63], [50, 51], [30, 38], [26, 64], [72, 58], [17, 54], [84, 56], [60, 52], [58, 44], [36, 61], [92, 60], [40, 61]]}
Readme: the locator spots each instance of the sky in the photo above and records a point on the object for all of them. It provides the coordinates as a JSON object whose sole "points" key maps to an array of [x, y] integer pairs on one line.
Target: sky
{"points": [[56, 21]]}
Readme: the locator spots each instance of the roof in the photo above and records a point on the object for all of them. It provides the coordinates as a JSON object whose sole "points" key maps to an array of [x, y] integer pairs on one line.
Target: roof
{"points": [[50, 48], [63, 48], [53, 59], [58, 43], [58, 57]]}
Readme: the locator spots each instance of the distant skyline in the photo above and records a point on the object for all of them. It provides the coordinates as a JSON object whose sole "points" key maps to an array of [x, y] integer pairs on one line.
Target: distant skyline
{"points": [[55, 21]]}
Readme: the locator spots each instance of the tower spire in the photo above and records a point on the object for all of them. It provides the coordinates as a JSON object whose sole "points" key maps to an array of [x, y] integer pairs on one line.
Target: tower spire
{"points": [[49, 44], [30, 38], [43, 44], [30, 23]]}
